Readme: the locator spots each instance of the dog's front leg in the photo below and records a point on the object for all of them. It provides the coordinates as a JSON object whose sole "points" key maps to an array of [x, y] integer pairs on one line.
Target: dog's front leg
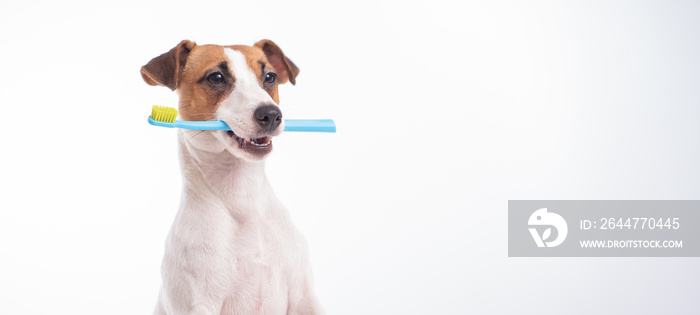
{"points": [[192, 290], [192, 287], [197, 265]]}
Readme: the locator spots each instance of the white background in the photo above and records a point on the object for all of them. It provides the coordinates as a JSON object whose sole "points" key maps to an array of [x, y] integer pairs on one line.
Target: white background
{"points": [[445, 111]]}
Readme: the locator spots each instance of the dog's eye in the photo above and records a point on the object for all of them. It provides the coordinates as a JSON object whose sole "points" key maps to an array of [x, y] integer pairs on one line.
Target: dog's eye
{"points": [[270, 78], [215, 78]]}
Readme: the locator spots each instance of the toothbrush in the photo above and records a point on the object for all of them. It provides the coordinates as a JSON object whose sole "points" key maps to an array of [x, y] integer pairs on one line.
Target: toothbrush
{"points": [[165, 117]]}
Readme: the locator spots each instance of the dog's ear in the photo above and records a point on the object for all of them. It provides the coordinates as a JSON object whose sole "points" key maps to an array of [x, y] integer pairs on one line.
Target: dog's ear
{"points": [[165, 69], [286, 69]]}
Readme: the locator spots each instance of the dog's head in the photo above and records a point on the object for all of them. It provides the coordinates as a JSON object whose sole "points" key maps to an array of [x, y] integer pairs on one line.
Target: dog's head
{"points": [[235, 84]]}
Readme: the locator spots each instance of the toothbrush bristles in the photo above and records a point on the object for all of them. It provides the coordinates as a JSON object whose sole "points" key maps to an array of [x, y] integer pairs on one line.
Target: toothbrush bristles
{"points": [[164, 114]]}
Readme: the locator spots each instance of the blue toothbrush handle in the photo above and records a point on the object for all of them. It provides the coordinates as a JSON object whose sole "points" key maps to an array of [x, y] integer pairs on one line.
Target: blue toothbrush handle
{"points": [[309, 125], [300, 125]]}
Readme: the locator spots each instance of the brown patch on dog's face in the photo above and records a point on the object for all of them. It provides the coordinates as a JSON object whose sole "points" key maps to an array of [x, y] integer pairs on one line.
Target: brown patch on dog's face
{"points": [[204, 83], [207, 79], [203, 76]]}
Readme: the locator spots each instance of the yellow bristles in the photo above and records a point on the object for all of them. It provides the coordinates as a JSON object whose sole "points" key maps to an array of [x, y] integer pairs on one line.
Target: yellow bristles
{"points": [[164, 114]]}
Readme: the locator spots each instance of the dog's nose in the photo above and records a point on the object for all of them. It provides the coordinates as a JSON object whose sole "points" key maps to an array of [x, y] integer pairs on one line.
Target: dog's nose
{"points": [[268, 117]]}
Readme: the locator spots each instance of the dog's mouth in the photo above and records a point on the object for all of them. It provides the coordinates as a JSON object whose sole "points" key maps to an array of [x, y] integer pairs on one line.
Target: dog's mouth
{"points": [[255, 146]]}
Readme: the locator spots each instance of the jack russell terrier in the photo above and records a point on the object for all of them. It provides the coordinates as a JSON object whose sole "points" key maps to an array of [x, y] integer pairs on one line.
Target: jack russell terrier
{"points": [[232, 248]]}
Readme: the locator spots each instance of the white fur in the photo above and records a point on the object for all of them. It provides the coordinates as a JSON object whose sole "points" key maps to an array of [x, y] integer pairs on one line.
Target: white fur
{"points": [[232, 248], [236, 109]]}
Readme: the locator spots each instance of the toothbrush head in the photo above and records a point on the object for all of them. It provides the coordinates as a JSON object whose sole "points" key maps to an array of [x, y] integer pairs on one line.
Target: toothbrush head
{"points": [[164, 114]]}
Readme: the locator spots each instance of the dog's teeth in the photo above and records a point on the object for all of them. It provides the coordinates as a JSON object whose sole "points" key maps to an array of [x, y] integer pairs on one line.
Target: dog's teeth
{"points": [[260, 142]]}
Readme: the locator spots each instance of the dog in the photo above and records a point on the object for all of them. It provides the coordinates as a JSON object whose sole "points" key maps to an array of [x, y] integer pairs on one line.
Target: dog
{"points": [[232, 248]]}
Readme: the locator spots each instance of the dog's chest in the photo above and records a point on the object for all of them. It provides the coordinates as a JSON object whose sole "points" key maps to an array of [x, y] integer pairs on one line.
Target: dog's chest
{"points": [[261, 270]]}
